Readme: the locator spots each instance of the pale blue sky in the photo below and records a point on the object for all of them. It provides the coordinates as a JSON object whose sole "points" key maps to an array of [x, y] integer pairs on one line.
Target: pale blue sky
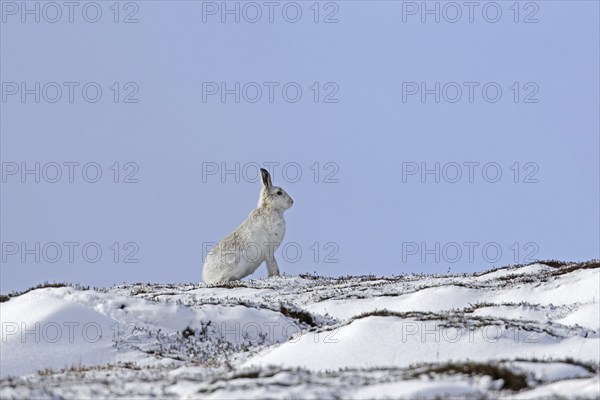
{"points": [[371, 220]]}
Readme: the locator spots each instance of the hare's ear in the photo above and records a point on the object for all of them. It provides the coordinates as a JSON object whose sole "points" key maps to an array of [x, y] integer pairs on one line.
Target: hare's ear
{"points": [[266, 178]]}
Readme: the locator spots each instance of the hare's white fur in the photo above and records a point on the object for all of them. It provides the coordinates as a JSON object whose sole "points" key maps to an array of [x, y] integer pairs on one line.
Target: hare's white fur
{"points": [[254, 241]]}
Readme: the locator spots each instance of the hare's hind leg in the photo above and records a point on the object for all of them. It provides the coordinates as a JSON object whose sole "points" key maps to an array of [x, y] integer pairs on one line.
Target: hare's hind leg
{"points": [[272, 267]]}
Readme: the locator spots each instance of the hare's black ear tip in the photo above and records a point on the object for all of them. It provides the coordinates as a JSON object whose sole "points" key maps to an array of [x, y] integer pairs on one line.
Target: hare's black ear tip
{"points": [[263, 170]]}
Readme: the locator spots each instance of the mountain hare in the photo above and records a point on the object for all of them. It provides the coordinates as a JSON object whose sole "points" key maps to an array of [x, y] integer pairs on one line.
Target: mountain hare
{"points": [[254, 241]]}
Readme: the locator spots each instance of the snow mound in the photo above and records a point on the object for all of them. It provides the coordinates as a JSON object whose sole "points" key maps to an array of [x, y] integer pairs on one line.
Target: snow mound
{"points": [[519, 332]]}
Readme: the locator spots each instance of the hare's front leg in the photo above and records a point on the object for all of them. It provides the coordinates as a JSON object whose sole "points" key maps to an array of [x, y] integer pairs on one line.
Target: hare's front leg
{"points": [[272, 266]]}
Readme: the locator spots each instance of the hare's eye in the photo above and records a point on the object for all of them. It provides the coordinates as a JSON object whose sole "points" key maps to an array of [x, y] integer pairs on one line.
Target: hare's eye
{"points": [[279, 193]]}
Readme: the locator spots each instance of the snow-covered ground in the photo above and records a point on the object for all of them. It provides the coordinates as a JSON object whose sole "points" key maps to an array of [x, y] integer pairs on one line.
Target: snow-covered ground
{"points": [[520, 332]]}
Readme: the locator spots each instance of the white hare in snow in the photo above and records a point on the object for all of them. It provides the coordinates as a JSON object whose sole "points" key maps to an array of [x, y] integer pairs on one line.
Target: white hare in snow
{"points": [[254, 241]]}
